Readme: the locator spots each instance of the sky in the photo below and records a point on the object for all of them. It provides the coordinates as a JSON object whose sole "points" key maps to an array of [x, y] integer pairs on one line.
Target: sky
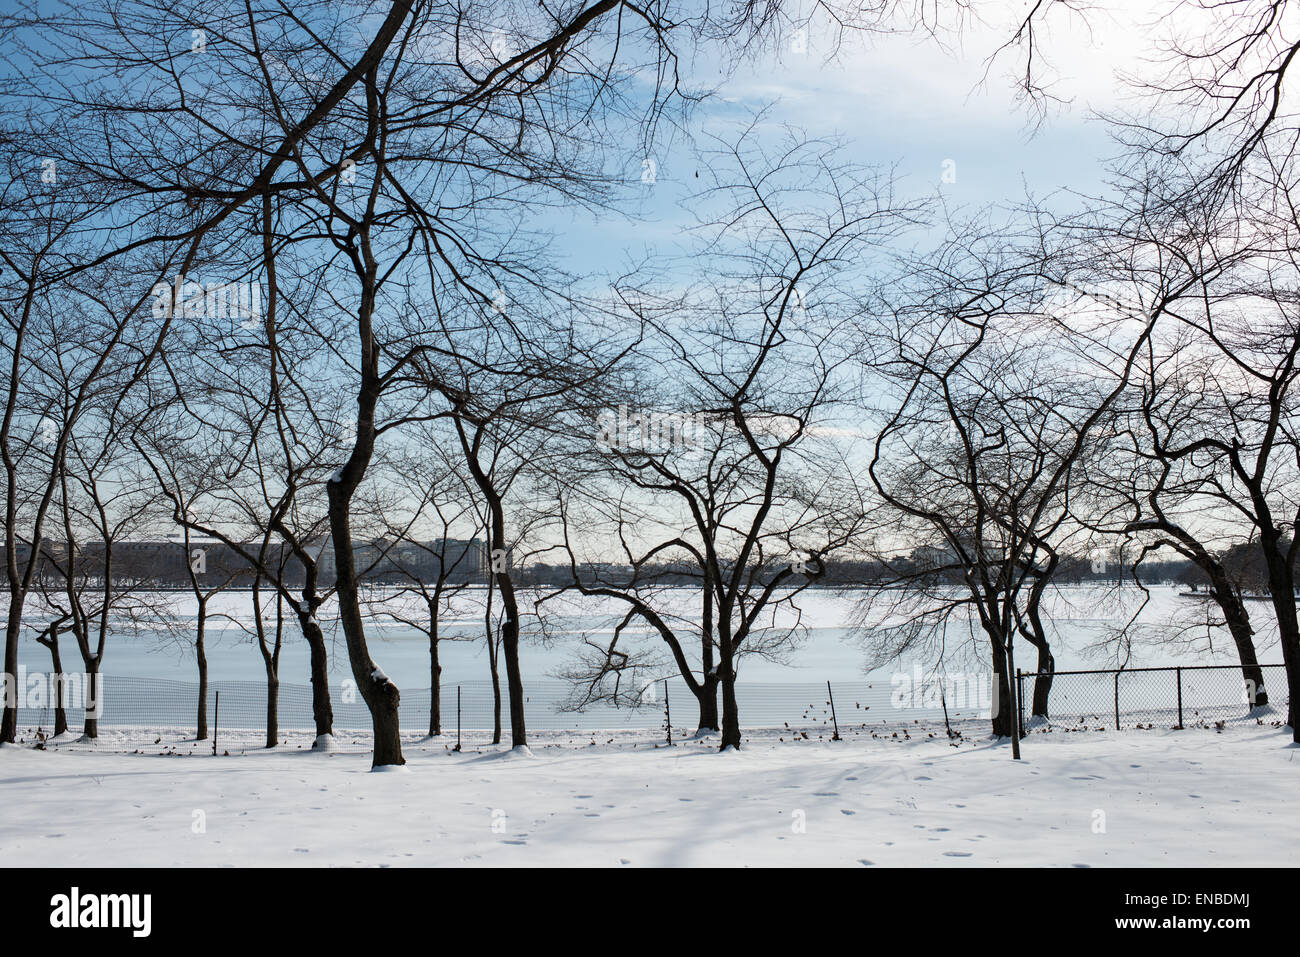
{"points": [[936, 111]]}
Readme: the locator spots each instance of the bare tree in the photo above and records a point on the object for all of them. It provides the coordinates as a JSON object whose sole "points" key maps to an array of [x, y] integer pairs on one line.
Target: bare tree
{"points": [[1162, 504], [433, 572], [186, 480], [101, 507], [740, 445], [241, 446], [1005, 365]]}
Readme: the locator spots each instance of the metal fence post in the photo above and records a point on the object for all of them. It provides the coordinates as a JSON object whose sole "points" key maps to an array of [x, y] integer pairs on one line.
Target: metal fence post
{"points": [[1179, 672], [1117, 727], [834, 720], [216, 721], [1020, 703]]}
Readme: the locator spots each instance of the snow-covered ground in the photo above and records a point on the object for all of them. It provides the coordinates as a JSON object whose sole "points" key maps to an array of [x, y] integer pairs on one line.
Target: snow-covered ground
{"points": [[895, 792], [1198, 797]]}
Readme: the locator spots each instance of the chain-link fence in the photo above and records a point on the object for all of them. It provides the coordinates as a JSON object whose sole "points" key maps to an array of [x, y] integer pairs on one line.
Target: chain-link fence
{"points": [[1174, 697], [132, 702], [1170, 697]]}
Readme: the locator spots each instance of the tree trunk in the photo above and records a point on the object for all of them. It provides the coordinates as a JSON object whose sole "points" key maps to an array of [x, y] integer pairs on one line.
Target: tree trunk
{"points": [[272, 707], [496, 702], [1281, 582], [1043, 681], [498, 568], [59, 691], [379, 693], [200, 654], [514, 679], [509, 628], [492, 666], [9, 722], [730, 710], [1228, 598], [1238, 622], [708, 693], [1036, 635], [707, 697], [94, 690], [1013, 700], [435, 678], [321, 708], [1004, 722]]}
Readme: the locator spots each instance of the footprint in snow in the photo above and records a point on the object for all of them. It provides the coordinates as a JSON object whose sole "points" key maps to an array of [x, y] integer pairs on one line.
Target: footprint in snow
{"points": [[958, 854], [864, 862], [847, 813], [922, 778]]}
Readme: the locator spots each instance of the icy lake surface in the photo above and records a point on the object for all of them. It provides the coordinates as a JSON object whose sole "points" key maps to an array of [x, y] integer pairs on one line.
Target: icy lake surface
{"points": [[1170, 630]]}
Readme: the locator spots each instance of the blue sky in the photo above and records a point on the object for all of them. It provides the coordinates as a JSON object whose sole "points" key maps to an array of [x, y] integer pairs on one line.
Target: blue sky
{"points": [[909, 102]]}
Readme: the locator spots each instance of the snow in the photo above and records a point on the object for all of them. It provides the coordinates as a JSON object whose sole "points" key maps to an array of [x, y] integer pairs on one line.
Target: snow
{"points": [[1198, 797]]}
